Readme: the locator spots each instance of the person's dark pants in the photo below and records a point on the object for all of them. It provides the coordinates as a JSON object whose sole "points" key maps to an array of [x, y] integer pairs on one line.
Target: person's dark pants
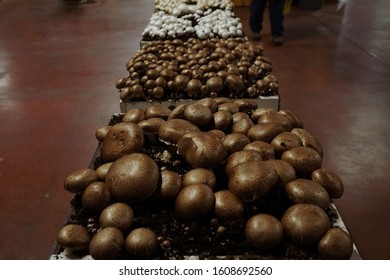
{"points": [[275, 15]]}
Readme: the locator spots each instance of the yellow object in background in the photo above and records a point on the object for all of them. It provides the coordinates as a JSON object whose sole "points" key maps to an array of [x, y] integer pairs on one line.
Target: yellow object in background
{"points": [[287, 7]]}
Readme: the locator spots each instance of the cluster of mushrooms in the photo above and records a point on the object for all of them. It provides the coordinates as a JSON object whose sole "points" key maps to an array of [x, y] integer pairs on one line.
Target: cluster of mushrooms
{"points": [[232, 153], [194, 69], [202, 19], [182, 7]]}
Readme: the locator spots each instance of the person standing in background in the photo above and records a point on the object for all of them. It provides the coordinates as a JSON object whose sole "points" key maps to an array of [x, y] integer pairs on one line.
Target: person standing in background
{"points": [[276, 17]]}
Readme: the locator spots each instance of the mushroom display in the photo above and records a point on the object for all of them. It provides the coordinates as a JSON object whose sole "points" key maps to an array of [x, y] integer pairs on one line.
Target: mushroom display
{"points": [[200, 187], [192, 68], [212, 175], [183, 20]]}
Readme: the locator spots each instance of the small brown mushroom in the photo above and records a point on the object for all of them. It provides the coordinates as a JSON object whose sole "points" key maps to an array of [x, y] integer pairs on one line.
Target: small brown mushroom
{"points": [[201, 149], [173, 129], [200, 176], [118, 215], [251, 180], [79, 180], [122, 139], [96, 197], [335, 244], [304, 160], [304, 224], [141, 242], [73, 237], [330, 181], [133, 177], [263, 231], [228, 207], [194, 201], [308, 191], [106, 244]]}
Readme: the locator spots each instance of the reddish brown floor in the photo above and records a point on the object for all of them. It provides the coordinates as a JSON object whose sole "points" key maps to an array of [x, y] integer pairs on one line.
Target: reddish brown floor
{"points": [[58, 66]]}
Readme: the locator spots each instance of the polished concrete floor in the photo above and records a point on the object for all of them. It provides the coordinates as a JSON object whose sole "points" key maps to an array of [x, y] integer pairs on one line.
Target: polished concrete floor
{"points": [[58, 66]]}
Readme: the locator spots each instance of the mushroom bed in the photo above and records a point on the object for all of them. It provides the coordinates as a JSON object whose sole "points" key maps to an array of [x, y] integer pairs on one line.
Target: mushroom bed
{"points": [[215, 179], [194, 69], [203, 20]]}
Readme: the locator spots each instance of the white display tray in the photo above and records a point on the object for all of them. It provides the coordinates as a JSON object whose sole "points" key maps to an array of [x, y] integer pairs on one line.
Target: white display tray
{"points": [[262, 102]]}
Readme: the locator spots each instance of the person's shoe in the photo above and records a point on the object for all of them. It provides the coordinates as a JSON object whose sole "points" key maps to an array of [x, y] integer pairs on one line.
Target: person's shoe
{"points": [[256, 36], [277, 40]]}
